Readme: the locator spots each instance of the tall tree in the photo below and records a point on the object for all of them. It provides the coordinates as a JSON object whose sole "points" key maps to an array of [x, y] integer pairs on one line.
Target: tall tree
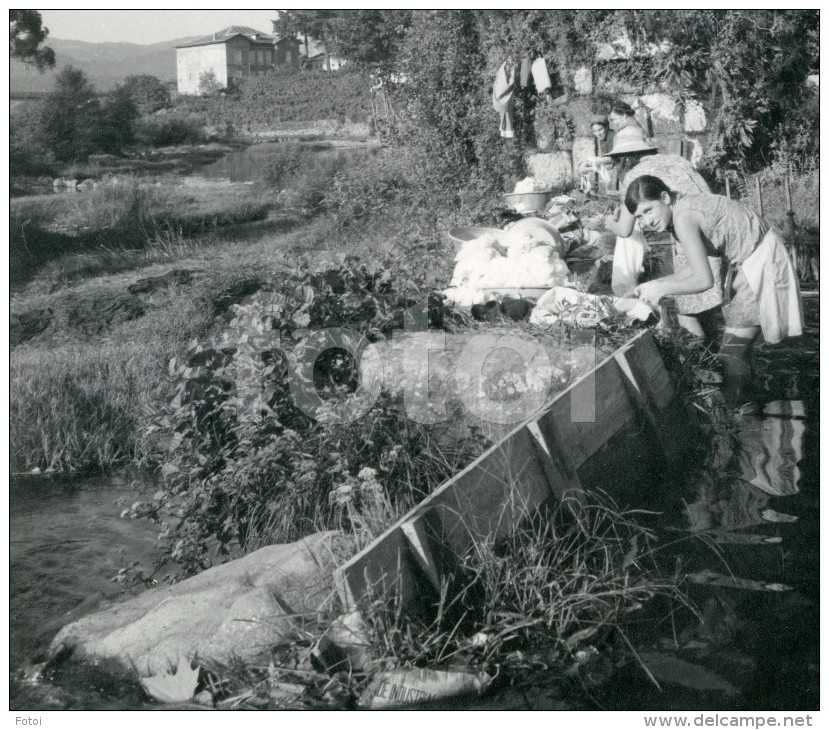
{"points": [[147, 93], [314, 24], [69, 116], [115, 127], [370, 39], [26, 35]]}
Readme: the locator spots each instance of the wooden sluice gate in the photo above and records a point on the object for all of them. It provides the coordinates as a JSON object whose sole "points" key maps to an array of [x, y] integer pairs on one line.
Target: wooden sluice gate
{"points": [[540, 461]]}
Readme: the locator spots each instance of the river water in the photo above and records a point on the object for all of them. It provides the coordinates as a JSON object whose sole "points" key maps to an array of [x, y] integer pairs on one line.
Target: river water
{"points": [[67, 540], [247, 164]]}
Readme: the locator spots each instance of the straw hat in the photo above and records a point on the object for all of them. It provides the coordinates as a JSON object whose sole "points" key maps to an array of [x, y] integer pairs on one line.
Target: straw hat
{"points": [[630, 140]]}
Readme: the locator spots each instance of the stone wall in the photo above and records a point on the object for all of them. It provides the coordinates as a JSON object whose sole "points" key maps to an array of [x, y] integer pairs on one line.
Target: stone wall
{"points": [[674, 127]]}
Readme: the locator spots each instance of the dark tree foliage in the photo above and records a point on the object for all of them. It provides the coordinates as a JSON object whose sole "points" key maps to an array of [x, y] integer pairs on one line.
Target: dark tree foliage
{"points": [[147, 92], [314, 24], [370, 39], [70, 116], [26, 36], [748, 66], [116, 126], [74, 121]]}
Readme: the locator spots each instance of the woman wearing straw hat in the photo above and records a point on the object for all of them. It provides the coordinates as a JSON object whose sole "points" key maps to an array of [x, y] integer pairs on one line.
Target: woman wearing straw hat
{"points": [[629, 147]]}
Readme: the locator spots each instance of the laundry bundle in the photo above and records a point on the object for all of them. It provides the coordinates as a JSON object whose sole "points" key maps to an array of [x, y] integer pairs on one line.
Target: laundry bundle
{"points": [[525, 257], [570, 306]]}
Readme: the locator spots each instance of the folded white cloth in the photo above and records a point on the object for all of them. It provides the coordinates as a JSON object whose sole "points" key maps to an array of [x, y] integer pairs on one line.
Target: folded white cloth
{"points": [[628, 262]]}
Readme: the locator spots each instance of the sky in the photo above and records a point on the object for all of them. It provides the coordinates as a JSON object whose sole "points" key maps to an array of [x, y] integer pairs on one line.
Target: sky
{"points": [[148, 26]]}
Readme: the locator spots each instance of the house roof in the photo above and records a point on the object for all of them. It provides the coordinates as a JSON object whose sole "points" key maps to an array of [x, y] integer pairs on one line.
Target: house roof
{"points": [[225, 35]]}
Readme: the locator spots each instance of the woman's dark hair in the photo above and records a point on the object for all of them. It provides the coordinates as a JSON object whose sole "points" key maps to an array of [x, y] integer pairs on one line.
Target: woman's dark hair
{"points": [[619, 107], [646, 187]]}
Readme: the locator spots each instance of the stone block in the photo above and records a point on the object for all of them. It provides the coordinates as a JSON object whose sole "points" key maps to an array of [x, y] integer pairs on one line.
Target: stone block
{"points": [[583, 81], [553, 168], [663, 112], [583, 149], [694, 150], [582, 109], [694, 117]]}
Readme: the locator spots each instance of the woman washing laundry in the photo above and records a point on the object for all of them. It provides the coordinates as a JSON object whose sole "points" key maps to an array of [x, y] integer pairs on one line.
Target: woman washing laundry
{"points": [[761, 288], [697, 313]]}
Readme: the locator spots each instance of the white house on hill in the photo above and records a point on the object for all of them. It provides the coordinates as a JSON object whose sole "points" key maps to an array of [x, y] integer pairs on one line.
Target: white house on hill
{"points": [[234, 53]]}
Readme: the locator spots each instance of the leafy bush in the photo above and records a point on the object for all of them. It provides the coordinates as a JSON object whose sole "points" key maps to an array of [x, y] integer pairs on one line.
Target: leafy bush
{"points": [[376, 184], [284, 164], [147, 93], [27, 155], [234, 483], [165, 130]]}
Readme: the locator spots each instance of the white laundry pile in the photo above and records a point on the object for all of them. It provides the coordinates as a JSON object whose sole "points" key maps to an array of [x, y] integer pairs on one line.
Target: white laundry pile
{"points": [[570, 306], [530, 185], [526, 256]]}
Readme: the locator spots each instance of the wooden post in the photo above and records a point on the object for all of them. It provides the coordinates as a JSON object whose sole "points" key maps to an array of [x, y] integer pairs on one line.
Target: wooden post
{"points": [[793, 247], [789, 207], [728, 188], [759, 195]]}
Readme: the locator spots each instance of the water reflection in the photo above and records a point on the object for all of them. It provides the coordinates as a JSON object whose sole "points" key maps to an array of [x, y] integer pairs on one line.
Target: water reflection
{"points": [[761, 460]]}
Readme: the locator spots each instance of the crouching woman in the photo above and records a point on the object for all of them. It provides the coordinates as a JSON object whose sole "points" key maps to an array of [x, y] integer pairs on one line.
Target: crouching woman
{"points": [[760, 290]]}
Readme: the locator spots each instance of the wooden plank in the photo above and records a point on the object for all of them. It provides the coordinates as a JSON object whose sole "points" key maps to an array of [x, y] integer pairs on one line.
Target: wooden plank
{"points": [[491, 496], [613, 407], [648, 369], [424, 535], [562, 478], [489, 499], [382, 571]]}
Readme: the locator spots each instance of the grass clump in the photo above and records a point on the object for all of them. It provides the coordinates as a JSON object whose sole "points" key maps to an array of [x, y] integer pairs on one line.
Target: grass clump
{"points": [[169, 129], [91, 232], [554, 598], [79, 408]]}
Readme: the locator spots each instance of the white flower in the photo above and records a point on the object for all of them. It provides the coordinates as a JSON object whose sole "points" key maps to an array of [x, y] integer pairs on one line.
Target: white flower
{"points": [[342, 495]]}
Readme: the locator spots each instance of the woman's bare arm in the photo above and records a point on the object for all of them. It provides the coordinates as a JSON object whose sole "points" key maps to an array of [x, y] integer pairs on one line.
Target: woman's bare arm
{"points": [[693, 280], [620, 222]]}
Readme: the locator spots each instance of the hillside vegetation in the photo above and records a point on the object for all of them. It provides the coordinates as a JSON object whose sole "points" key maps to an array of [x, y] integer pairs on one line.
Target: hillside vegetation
{"points": [[260, 103]]}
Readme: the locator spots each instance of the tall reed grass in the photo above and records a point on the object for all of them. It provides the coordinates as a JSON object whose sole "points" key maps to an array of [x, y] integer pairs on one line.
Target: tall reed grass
{"points": [[79, 407]]}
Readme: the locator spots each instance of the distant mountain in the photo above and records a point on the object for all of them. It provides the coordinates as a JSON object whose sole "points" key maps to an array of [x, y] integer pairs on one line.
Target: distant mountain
{"points": [[105, 64]]}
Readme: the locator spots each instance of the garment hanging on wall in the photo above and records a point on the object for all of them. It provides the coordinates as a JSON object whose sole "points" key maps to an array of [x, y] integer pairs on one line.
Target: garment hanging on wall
{"points": [[503, 91], [541, 77], [503, 97]]}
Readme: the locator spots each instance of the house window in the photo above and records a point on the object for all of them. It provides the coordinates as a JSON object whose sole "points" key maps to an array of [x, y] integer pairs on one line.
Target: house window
{"points": [[237, 57]]}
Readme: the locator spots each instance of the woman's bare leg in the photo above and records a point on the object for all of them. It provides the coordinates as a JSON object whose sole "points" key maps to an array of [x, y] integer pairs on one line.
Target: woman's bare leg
{"points": [[735, 355], [692, 324]]}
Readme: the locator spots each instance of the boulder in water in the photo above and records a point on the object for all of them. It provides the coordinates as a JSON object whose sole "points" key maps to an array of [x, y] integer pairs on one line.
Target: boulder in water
{"points": [[236, 610]]}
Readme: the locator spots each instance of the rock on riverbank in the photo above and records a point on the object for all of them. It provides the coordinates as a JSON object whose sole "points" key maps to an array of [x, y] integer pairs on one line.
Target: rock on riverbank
{"points": [[238, 609]]}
